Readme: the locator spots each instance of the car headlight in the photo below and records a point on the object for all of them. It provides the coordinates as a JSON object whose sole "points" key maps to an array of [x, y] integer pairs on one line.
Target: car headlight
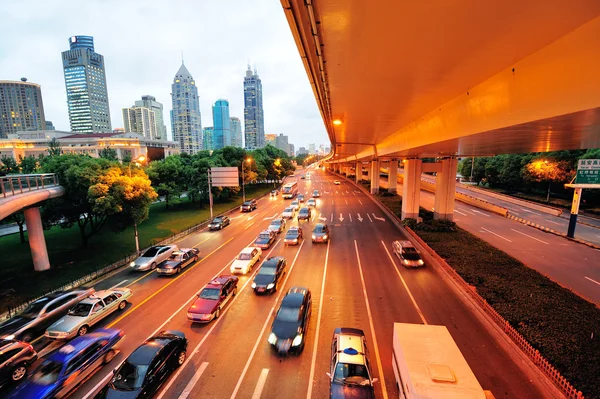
{"points": [[132, 264], [10, 337], [420, 262], [272, 339], [253, 285], [405, 262], [295, 240], [314, 236], [190, 315], [297, 341], [270, 286], [325, 237]]}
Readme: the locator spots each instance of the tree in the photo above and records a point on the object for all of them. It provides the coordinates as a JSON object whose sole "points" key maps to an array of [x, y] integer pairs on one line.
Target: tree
{"points": [[19, 219], [547, 171], [54, 147], [464, 168], [108, 153], [168, 178], [8, 165], [29, 164]]}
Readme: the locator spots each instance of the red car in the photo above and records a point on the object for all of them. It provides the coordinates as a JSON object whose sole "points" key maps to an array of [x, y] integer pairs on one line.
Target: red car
{"points": [[212, 299]]}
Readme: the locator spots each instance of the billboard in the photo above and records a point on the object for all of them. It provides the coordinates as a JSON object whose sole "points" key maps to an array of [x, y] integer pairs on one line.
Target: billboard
{"points": [[225, 176]]}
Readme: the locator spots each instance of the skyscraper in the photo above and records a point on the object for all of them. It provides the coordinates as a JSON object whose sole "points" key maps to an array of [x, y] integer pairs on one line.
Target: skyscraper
{"points": [[311, 148], [236, 132], [21, 107], [208, 134], [222, 124], [254, 124], [291, 151], [140, 120], [186, 123], [151, 103], [85, 80], [282, 142]]}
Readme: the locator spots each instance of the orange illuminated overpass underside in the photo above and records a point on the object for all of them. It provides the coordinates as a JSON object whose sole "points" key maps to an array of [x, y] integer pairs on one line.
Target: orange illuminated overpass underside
{"points": [[446, 78]]}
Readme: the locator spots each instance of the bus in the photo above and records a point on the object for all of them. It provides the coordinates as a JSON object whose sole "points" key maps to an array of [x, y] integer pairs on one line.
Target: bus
{"points": [[290, 190]]}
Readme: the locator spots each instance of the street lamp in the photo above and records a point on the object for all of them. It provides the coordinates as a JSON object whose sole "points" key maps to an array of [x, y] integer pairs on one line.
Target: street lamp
{"points": [[244, 179], [277, 163], [138, 160]]}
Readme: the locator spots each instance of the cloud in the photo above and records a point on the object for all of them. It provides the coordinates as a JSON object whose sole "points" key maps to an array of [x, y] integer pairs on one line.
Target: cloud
{"points": [[142, 42]]}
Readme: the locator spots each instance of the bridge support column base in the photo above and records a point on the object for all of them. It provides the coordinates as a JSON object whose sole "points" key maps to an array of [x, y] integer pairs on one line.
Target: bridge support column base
{"points": [[445, 188], [37, 241], [375, 166], [411, 189], [357, 172], [393, 177]]}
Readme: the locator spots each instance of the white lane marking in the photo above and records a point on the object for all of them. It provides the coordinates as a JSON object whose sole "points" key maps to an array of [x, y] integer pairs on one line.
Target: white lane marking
{"points": [[331, 202], [332, 218], [321, 217], [364, 288], [527, 210], [118, 284], [468, 211], [346, 202], [404, 283], [260, 384], [551, 221], [350, 216], [371, 220], [592, 280], [516, 213], [498, 235], [190, 386], [262, 331], [359, 217], [527, 235], [248, 225], [341, 217], [314, 214], [378, 218], [481, 213], [320, 313], [251, 217], [459, 212], [360, 202]]}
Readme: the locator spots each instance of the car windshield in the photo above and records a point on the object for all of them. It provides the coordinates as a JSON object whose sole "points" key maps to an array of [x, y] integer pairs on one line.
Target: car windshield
{"points": [[349, 373], [47, 373], [295, 203], [175, 257], [245, 256], [129, 377], [247, 203], [288, 314], [319, 229], [410, 254], [35, 308], [267, 270], [151, 252], [288, 210], [217, 220], [276, 222], [210, 293], [304, 210], [292, 233], [81, 310], [264, 236]]}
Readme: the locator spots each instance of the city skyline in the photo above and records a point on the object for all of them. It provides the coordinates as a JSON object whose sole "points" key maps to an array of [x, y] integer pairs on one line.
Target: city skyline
{"points": [[218, 63]]}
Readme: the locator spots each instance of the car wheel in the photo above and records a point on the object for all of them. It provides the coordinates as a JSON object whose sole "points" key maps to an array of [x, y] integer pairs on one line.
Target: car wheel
{"points": [[110, 355], [82, 330], [217, 313], [18, 373], [178, 270], [122, 305], [181, 358], [153, 266], [235, 291], [195, 259]]}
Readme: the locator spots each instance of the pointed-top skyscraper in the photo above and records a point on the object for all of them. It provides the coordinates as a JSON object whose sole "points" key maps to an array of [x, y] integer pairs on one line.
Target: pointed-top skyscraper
{"points": [[186, 123], [254, 125]]}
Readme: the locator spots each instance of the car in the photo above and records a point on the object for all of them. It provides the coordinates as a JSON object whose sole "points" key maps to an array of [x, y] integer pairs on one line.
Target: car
{"points": [[350, 371], [295, 204], [269, 275], [302, 177], [265, 239], [304, 214], [336, 182], [15, 359], [288, 331], [89, 312], [212, 299], [152, 257], [293, 236], [321, 233], [219, 223], [277, 225], [249, 206], [246, 260], [408, 254], [274, 193], [178, 260], [311, 202], [316, 194], [288, 213], [68, 367], [147, 368], [300, 197], [41, 313]]}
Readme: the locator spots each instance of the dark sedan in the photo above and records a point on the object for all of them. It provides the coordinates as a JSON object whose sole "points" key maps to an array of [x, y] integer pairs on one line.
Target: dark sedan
{"points": [[248, 206], [293, 236], [15, 359], [178, 260], [269, 275], [147, 367], [265, 239], [304, 214], [321, 233], [288, 332], [219, 223]]}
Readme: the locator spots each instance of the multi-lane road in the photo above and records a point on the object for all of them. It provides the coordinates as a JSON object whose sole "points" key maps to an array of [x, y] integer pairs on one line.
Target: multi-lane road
{"points": [[355, 282]]}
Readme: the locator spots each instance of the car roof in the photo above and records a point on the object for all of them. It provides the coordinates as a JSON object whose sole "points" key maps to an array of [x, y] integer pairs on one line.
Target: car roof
{"points": [[320, 226], [304, 209], [406, 244], [272, 261], [268, 232], [293, 228], [293, 299], [68, 351], [146, 352], [220, 280], [350, 348], [248, 250], [96, 296]]}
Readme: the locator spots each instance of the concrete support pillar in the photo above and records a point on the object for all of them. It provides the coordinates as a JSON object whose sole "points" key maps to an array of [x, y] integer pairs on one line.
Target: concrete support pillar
{"points": [[445, 188], [368, 169], [393, 177], [37, 241], [411, 188], [357, 172], [375, 166]]}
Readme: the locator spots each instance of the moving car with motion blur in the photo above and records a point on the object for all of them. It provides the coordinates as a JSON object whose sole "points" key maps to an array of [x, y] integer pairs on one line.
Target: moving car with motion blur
{"points": [[265, 239], [249, 206], [274, 193], [311, 202], [246, 260], [212, 299], [293, 236], [277, 225], [316, 194], [288, 213], [15, 359], [288, 331], [304, 214], [408, 254], [71, 365], [269, 275], [350, 370], [300, 197], [88, 312], [42, 313], [321, 233], [147, 368], [178, 260], [152, 257], [219, 223], [295, 204]]}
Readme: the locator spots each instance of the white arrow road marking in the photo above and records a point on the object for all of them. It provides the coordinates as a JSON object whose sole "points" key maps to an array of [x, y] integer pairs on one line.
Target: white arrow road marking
{"points": [[459, 212], [350, 216], [332, 218], [260, 384], [357, 192], [370, 218], [322, 218], [527, 235], [341, 218], [498, 235], [188, 389], [481, 213], [592, 280], [378, 218], [251, 217], [271, 217], [359, 217], [118, 284]]}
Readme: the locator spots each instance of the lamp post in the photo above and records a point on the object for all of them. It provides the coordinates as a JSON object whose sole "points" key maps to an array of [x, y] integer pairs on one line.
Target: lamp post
{"points": [[549, 184], [138, 160], [277, 163]]}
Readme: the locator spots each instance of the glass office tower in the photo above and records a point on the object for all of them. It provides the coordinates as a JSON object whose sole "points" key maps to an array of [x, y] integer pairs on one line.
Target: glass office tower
{"points": [[222, 124], [186, 122], [254, 125], [21, 107]]}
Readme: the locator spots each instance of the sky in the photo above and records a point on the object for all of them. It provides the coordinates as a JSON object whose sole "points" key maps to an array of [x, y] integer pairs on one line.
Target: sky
{"points": [[142, 44]]}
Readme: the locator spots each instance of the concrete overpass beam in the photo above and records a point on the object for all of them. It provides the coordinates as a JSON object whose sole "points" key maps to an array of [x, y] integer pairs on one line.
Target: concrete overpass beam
{"points": [[445, 188], [37, 241], [375, 166], [393, 177], [411, 188]]}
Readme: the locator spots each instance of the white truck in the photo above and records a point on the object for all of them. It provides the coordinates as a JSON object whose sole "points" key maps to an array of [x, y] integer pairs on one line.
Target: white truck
{"points": [[428, 364]]}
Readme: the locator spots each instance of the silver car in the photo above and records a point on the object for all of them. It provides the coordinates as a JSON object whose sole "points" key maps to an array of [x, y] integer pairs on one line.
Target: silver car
{"points": [[152, 257], [89, 312]]}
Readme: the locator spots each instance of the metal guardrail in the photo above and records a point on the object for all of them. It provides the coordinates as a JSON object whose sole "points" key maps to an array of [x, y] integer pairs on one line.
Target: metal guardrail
{"points": [[19, 184]]}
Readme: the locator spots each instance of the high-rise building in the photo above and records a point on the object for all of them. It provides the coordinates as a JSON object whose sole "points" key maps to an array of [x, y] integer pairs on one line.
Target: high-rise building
{"points": [[151, 103], [222, 124], [290, 150], [254, 124], [302, 150], [186, 123], [236, 132], [21, 107], [311, 148], [281, 142], [85, 80], [140, 120], [208, 134]]}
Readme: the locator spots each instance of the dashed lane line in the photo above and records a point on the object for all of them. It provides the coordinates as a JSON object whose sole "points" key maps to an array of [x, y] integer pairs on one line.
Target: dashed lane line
{"points": [[260, 385], [592, 280], [188, 388], [497, 235], [527, 235]]}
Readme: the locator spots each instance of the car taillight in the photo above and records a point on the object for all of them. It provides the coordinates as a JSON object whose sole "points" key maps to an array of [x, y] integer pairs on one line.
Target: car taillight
{"points": [[30, 347], [121, 333]]}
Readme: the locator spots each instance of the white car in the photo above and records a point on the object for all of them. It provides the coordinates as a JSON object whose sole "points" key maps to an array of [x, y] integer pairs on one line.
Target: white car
{"points": [[152, 257], [295, 204], [336, 182], [311, 202], [244, 262], [288, 213]]}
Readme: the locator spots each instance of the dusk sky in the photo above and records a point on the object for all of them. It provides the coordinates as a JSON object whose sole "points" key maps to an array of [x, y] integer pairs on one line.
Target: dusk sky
{"points": [[142, 43]]}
